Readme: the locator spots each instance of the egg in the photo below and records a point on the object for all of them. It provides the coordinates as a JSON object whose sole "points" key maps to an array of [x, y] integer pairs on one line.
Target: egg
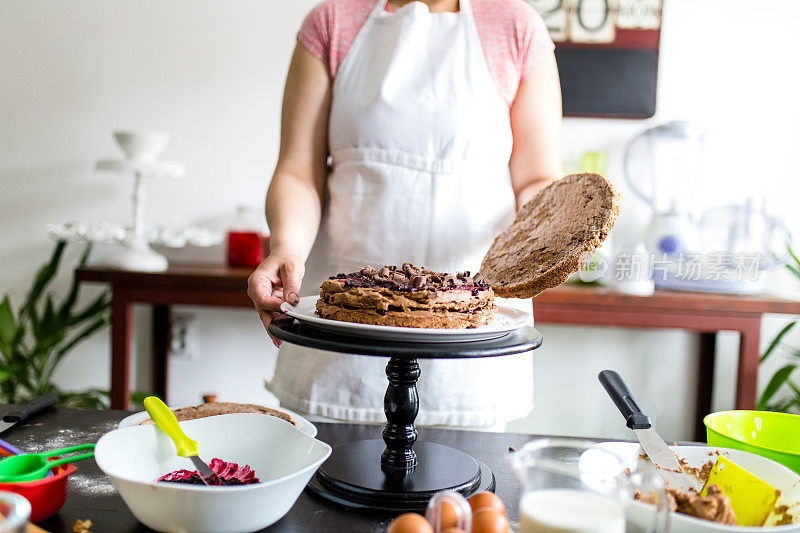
{"points": [[410, 523], [489, 521], [453, 530], [447, 515], [487, 500]]}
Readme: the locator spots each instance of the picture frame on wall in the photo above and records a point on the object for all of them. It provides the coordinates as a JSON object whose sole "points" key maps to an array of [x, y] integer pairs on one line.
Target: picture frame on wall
{"points": [[607, 54]]}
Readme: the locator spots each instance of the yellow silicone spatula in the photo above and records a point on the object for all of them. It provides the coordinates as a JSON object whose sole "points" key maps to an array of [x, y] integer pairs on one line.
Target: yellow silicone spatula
{"points": [[165, 419], [752, 499]]}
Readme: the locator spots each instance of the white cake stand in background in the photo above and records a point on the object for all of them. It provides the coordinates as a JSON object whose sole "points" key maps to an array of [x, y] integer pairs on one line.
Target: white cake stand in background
{"points": [[141, 149]]}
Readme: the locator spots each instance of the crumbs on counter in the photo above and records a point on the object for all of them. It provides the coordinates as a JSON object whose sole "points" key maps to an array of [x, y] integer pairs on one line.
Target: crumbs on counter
{"points": [[82, 526]]}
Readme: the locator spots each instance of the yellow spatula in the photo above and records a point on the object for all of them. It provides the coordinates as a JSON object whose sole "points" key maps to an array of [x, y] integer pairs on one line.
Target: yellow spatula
{"points": [[165, 419], [751, 498]]}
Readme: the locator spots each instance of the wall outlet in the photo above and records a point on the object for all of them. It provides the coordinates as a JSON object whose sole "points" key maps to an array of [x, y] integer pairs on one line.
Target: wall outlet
{"points": [[183, 336]]}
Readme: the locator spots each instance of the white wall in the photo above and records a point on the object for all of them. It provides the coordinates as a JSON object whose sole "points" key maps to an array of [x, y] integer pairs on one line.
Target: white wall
{"points": [[211, 73]]}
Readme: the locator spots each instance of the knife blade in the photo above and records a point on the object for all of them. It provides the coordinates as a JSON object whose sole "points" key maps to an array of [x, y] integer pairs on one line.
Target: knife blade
{"points": [[666, 463], [204, 471], [27, 411]]}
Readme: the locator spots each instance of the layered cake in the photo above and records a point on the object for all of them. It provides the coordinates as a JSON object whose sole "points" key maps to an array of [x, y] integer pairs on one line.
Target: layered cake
{"points": [[552, 235], [407, 296]]}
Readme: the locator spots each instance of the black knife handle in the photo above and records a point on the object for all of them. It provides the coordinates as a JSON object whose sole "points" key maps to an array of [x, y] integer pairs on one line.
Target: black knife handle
{"points": [[623, 399], [29, 409]]}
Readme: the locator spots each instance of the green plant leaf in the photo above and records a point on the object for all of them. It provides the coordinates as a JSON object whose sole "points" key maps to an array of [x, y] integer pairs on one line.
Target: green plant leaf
{"points": [[778, 379], [796, 259], [777, 340], [98, 306], [85, 333], [8, 329], [781, 407], [7, 326], [67, 305], [48, 324], [795, 389], [85, 399], [794, 271], [44, 276]]}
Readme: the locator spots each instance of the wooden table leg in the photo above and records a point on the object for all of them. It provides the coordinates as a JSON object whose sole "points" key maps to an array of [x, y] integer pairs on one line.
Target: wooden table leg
{"points": [[705, 382], [749, 358], [120, 350], [160, 350]]}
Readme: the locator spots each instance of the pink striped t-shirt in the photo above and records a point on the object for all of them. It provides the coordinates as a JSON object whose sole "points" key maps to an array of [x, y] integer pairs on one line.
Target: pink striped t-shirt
{"points": [[513, 36]]}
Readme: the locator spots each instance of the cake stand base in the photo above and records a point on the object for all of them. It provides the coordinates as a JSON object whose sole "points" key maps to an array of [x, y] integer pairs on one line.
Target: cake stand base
{"points": [[397, 473], [352, 477]]}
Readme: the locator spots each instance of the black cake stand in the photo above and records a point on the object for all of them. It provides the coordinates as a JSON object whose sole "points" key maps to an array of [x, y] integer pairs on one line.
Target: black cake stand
{"points": [[396, 473]]}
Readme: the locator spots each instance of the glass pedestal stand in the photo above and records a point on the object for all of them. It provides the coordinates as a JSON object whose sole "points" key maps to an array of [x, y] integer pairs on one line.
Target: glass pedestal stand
{"points": [[396, 473]]}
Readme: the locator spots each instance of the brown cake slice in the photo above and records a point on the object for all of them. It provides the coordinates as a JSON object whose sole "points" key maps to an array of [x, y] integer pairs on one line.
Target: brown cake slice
{"points": [[552, 234], [223, 408], [408, 296]]}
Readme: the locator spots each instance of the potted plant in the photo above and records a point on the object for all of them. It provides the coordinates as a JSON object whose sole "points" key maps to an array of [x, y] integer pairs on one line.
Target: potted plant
{"points": [[781, 380], [36, 338]]}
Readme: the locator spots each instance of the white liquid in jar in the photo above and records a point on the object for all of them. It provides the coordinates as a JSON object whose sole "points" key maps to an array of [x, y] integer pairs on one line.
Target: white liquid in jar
{"points": [[570, 511]]}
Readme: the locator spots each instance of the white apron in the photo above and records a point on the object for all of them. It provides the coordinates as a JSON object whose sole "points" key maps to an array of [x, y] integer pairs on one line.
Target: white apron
{"points": [[420, 141]]}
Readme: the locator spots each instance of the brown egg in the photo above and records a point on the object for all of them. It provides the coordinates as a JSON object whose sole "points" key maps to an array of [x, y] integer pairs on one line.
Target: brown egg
{"points": [[453, 530], [447, 516], [487, 500], [409, 523], [489, 521]]}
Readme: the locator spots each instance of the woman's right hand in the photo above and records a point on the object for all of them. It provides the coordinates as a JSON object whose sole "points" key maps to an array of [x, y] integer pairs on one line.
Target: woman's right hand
{"points": [[275, 281]]}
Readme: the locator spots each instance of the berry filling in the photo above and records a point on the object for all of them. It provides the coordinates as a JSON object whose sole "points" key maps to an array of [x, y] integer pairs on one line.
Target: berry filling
{"points": [[229, 474]]}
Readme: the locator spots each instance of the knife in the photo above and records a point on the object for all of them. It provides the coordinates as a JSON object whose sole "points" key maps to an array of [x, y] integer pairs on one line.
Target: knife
{"points": [[28, 410], [660, 454]]}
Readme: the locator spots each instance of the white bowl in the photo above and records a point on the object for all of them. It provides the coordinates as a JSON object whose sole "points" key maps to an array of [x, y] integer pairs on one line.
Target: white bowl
{"points": [[640, 515], [143, 145], [283, 458], [302, 423]]}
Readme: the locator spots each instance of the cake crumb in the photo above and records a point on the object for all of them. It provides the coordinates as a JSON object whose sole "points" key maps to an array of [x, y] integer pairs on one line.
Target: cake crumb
{"points": [[82, 526], [784, 518]]}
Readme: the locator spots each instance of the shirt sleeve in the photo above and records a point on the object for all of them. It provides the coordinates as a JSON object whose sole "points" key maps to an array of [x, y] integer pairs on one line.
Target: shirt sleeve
{"points": [[534, 41], [315, 33]]}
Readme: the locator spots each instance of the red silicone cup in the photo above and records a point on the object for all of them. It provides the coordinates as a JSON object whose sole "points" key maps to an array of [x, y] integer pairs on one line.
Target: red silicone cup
{"points": [[46, 495]]}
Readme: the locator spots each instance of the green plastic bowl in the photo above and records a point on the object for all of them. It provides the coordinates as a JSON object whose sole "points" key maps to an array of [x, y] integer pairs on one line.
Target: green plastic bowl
{"points": [[772, 435]]}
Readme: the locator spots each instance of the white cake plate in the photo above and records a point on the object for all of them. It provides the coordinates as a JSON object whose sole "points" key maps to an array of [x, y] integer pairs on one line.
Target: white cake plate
{"points": [[505, 321]]}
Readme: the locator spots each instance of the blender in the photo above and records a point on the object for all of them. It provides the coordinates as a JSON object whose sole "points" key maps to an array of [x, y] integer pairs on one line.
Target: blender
{"points": [[728, 249], [661, 166]]}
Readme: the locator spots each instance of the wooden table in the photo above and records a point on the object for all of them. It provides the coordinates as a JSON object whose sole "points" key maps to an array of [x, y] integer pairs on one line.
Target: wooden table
{"points": [[91, 495], [703, 313]]}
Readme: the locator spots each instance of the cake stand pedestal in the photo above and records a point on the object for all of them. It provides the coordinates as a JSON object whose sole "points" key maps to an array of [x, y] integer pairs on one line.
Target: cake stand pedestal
{"points": [[396, 473]]}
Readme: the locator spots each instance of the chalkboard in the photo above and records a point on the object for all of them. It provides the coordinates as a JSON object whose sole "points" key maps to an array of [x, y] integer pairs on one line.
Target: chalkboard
{"points": [[607, 54], [608, 83]]}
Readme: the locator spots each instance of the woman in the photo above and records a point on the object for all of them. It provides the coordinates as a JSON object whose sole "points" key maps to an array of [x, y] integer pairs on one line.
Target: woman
{"points": [[439, 117]]}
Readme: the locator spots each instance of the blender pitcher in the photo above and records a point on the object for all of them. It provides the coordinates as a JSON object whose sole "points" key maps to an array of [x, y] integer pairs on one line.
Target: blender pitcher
{"points": [[578, 486]]}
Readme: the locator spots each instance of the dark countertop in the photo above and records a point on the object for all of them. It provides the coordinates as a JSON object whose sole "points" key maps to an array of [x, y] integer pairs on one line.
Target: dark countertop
{"points": [[91, 495]]}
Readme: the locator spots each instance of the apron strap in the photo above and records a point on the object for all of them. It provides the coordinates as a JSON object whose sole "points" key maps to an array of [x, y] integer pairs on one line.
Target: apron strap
{"points": [[379, 6]]}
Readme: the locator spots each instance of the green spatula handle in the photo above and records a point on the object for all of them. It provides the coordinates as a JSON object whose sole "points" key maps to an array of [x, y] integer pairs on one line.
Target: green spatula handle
{"points": [[71, 449], [65, 460], [165, 419]]}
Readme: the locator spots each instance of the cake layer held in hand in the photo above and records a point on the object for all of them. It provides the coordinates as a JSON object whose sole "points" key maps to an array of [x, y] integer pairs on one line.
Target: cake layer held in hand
{"points": [[407, 296]]}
